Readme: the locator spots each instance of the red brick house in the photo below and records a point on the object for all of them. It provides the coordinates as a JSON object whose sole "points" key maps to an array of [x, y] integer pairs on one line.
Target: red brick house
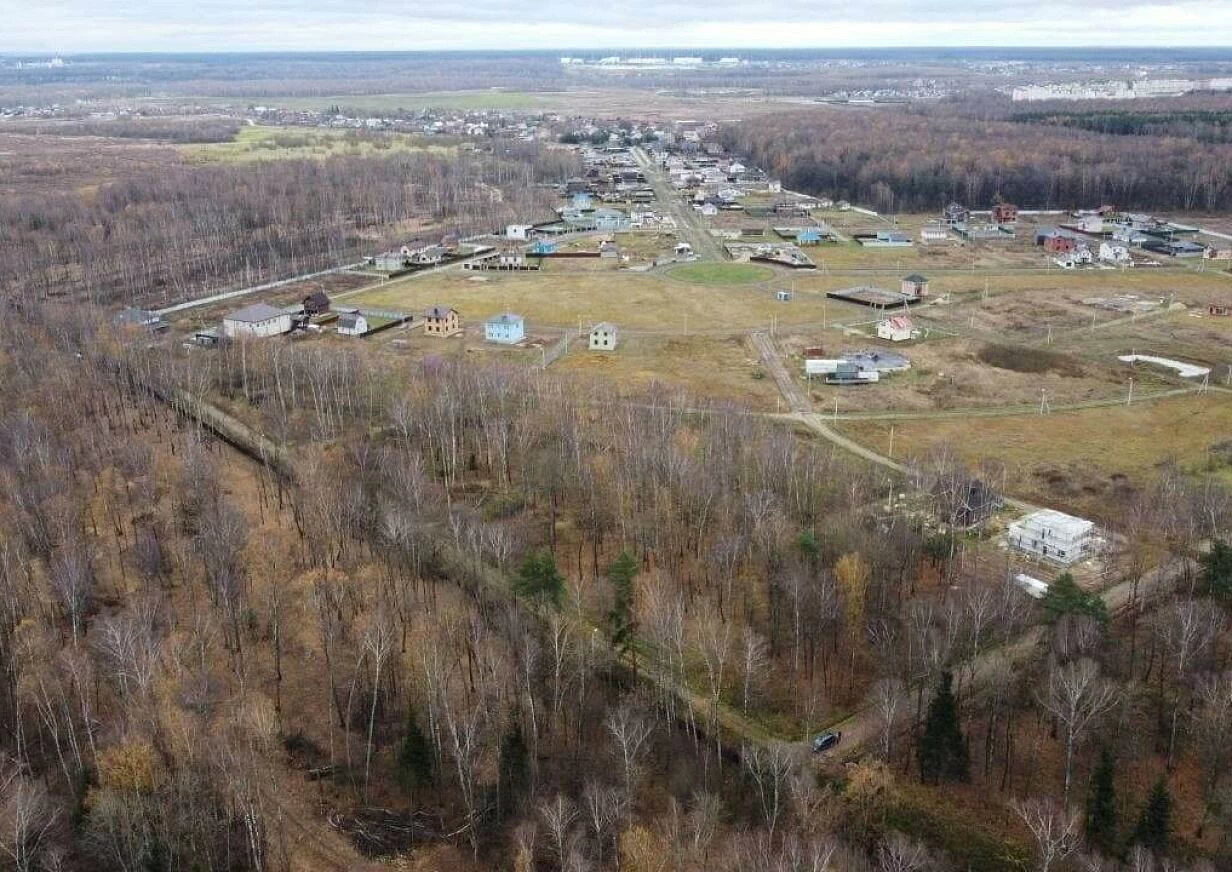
{"points": [[1005, 213], [1059, 244]]}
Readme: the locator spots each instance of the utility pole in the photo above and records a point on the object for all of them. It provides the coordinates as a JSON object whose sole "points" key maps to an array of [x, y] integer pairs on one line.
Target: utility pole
{"points": [[1043, 409], [836, 410], [891, 453], [1129, 397]]}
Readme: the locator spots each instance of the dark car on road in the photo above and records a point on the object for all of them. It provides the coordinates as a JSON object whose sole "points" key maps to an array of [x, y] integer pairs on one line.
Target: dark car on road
{"points": [[826, 741]]}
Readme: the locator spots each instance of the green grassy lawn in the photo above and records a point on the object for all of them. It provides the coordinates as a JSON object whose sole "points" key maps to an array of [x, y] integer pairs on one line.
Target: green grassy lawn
{"points": [[721, 274], [255, 143]]}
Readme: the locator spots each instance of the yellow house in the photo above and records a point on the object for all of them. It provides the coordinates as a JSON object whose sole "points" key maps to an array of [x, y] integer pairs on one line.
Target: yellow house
{"points": [[441, 321]]}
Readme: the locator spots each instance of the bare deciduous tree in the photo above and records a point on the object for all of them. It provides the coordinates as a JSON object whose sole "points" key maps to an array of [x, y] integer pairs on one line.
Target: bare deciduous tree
{"points": [[1055, 828], [1077, 694], [630, 730], [26, 817], [771, 770]]}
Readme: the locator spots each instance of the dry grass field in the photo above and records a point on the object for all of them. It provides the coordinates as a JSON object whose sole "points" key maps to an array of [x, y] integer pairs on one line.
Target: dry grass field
{"points": [[715, 369], [1072, 459]]}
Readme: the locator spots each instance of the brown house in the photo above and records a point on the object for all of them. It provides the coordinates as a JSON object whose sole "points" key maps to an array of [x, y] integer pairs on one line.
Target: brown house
{"points": [[1219, 309], [1057, 244], [316, 303], [441, 321], [1005, 213]]}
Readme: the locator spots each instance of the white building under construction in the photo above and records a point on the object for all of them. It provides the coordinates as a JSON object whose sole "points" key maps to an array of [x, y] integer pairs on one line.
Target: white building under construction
{"points": [[1054, 535]]}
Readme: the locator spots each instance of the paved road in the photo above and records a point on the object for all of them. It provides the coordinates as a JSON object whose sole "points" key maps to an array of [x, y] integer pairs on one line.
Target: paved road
{"points": [[689, 222]]}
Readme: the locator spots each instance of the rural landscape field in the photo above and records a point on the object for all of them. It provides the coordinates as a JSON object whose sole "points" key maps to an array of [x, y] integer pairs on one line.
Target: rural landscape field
{"points": [[643, 460]]}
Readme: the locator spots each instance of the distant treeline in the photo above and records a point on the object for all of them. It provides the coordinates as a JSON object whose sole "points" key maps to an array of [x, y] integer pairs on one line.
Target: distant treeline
{"points": [[899, 160], [162, 235], [174, 130], [1204, 125]]}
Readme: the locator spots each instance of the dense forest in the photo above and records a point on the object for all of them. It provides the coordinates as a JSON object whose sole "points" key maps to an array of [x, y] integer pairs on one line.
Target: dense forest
{"points": [[152, 236], [1203, 125], [901, 160], [458, 609]]}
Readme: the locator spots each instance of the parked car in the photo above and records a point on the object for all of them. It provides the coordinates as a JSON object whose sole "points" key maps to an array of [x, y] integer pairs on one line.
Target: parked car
{"points": [[827, 740]]}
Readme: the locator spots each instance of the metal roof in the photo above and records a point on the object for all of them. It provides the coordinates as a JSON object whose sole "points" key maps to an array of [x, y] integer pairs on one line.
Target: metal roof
{"points": [[255, 313]]}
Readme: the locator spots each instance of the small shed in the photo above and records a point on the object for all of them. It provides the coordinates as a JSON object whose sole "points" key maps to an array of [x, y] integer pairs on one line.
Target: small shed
{"points": [[1219, 309], [542, 247], [603, 337], [783, 296], [352, 324], [520, 232], [809, 236], [505, 328], [915, 285]]}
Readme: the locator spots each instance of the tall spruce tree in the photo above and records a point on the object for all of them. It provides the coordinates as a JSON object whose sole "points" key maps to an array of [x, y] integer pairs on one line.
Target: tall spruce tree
{"points": [[1101, 818], [943, 750], [1154, 827], [415, 763], [513, 770], [621, 620]]}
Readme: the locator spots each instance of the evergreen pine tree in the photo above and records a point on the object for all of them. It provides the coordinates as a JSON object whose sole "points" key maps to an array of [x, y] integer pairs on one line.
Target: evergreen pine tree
{"points": [[943, 750], [538, 579], [1155, 822], [1101, 822], [415, 762], [1217, 569], [621, 622], [513, 770], [1065, 597]]}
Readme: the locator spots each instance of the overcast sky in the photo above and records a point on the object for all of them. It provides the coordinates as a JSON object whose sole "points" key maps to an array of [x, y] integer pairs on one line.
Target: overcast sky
{"points": [[236, 25]]}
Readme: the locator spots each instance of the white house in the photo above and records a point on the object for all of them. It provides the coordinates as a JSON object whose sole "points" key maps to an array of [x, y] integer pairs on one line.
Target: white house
{"points": [[505, 328], [520, 232], [1054, 536], [1113, 252], [256, 321], [897, 328], [603, 337], [352, 324], [1090, 223]]}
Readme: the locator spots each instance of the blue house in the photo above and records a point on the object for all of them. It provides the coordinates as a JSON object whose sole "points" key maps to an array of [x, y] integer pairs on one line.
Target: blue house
{"points": [[542, 247], [506, 328], [808, 236]]}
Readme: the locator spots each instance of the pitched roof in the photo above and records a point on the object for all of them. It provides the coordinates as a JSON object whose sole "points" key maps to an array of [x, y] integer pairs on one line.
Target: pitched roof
{"points": [[255, 313], [350, 320], [505, 318], [604, 325], [440, 312], [916, 277]]}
